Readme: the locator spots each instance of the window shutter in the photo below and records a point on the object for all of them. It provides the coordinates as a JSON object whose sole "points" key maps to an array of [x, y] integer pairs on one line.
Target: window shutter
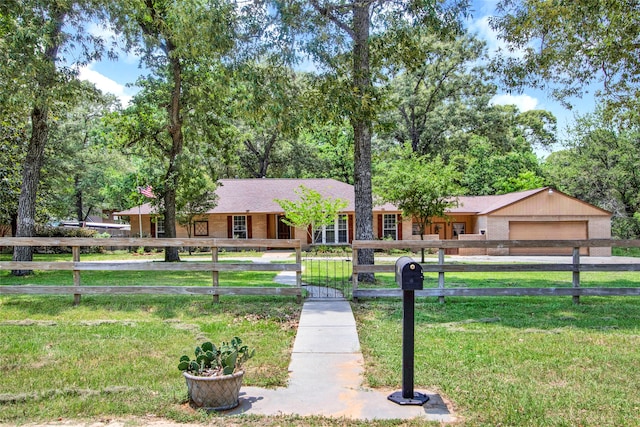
{"points": [[152, 227], [350, 228], [399, 226], [230, 227], [249, 228], [309, 234], [379, 226]]}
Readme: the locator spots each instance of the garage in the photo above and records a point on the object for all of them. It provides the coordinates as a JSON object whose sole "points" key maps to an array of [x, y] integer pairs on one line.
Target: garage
{"points": [[547, 230]]}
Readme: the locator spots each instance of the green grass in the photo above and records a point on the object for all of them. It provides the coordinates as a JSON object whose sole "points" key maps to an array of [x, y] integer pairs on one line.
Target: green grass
{"points": [[515, 361], [142, 278], [117, 356], [136, 278], [518, 279], [632, 252]]}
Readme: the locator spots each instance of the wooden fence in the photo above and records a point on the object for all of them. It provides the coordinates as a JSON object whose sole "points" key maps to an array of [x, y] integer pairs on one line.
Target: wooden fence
{"points": [[213, 266], [575, 267]]}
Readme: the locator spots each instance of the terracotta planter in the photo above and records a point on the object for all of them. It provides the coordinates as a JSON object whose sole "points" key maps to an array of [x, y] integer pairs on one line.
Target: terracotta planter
{"points": [[214, 393]]}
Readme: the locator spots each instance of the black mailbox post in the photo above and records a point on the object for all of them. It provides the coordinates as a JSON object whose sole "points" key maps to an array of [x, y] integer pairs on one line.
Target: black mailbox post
{"points": [[410, 278]]}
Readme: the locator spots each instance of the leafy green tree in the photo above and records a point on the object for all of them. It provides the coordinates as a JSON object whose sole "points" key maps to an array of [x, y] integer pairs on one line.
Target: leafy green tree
{"points": [[439, 89], [324, 150], [571, 45], [38, 37], [78, 158], [421, 186], [13, 136], [311, 211], [175, 40], [268, 114], [196, 195], [600, 165], [484, 170], [338, 36]]}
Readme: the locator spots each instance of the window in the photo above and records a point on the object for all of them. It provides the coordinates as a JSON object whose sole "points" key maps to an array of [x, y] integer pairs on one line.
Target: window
{"points": [[389, 229], [343, 229], [159, 227], [239, 227], [415, 229], [458, 228], [337, 232], [201, 228]]}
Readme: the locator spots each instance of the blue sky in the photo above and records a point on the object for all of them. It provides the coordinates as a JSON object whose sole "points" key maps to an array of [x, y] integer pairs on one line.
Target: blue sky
{"points": [[115, 76]]}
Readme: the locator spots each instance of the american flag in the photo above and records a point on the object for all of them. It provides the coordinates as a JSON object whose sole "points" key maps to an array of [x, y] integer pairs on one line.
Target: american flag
{"points": [[147, 191]]}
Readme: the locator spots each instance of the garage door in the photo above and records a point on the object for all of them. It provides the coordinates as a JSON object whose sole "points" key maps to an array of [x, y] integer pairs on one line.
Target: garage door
{"points": [[555, 230]]}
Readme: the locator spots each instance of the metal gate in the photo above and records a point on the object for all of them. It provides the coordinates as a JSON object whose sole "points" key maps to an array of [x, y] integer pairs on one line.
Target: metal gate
{"points": [[327, 277]]}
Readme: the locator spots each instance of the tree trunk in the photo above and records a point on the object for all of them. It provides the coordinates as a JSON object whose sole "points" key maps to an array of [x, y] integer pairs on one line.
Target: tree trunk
{"points": [[26, 222], [171, 179], [78, 197], [361, 122]]}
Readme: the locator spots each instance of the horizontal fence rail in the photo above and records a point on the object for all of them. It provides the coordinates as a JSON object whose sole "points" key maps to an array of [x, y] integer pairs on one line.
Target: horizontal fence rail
{"points": [[575, 267], [77, 266]]}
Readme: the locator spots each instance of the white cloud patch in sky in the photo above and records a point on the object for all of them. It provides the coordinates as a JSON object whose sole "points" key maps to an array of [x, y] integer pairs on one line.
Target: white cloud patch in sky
{"points": [[111, 38], [523, 102], [105, 84], [484, 31]]}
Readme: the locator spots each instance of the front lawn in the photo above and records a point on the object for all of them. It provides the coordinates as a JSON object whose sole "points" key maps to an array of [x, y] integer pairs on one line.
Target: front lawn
{"points": [[515, 361], [117, 355]]}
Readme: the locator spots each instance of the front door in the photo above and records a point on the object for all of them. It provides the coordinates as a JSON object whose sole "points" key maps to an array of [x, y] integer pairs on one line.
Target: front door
{"points": [[284, 231]]}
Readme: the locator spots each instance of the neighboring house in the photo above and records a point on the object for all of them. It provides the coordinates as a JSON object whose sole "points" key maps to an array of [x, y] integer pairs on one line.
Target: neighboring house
{"points": [[247, 210]]}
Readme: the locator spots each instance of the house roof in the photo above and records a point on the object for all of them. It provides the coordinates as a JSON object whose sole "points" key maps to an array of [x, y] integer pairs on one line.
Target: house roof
{"points": [[481, 205], [258, 196]]}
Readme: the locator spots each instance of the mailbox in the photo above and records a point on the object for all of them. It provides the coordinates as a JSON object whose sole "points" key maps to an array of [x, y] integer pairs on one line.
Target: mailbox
{"points": [[409, 274]]}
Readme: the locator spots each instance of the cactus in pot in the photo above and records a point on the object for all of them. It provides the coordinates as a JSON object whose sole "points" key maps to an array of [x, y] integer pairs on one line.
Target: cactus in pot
{"points": [[214, 376], [211, 360]]}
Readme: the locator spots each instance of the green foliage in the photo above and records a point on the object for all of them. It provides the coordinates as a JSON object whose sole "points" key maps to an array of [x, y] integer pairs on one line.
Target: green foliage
{"points": [[12, 142], [485, 170], [196, 195], [438, 89], [78, 162], [573, 45], [268, 113], [599, 165], [212, 361], [421, 186], [312, 210]]}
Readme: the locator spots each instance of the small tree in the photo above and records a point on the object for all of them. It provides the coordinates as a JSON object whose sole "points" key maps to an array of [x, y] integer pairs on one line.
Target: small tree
{"points": [[196, 195], [311, 211], [422, 187]]}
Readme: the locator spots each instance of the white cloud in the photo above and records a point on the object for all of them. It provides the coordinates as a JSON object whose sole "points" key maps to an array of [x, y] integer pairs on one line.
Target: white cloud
{"points": [[523, 102], [105, 84], [106, 33], [484, 31]]}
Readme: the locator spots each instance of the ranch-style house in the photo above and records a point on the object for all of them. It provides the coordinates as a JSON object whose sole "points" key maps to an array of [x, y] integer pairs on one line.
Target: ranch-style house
{"points": [[247, 209]]}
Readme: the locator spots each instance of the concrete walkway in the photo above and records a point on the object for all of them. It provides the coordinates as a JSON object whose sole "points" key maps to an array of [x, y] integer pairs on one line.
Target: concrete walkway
{"points": [[326, 375]]}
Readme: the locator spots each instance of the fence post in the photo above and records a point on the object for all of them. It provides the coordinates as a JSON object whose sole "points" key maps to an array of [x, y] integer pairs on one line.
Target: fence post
{"points": [[214, 273], [441, 274], [576, 273], [75, 251], [354, 275], [299, 274]]}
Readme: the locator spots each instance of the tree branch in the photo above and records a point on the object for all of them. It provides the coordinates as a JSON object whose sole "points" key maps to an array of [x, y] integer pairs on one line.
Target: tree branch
{"points": [[331, 12]]}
